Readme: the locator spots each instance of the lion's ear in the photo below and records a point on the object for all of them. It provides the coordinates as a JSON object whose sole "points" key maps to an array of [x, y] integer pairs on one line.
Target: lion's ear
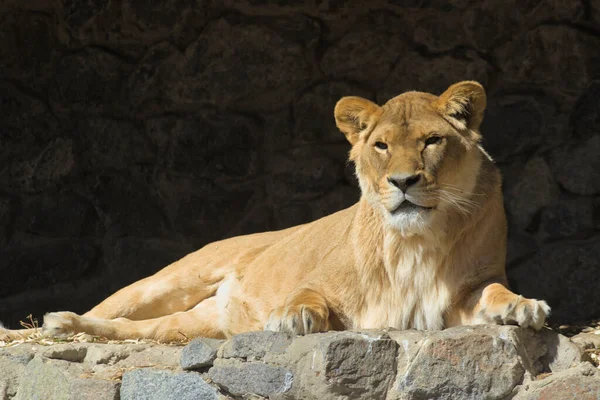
{"points": [[462, 105], [355, 114]]}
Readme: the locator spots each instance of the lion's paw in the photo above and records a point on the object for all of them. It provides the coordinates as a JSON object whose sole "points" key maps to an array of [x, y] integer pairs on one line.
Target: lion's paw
{"points": [[63, 323], [297, 320], [527, 313]]}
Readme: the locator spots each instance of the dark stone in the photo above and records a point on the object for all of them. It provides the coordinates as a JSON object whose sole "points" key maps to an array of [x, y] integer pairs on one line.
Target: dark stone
{"points": [[368, 51], [104, 24], [106, 143], [45, 264], [144, 84], [515, 120], [203, 211], [414, 71], [78, 296], [130, 259], [57, 215], [440, 31], [292, 214], [313, 112], [41, 167], [90, 82], [128, 205], [296, 213], [77, 13], [28, 48], [577, 167], [306, 173], [154, 384], [490, 23], [238, 64], [250, 378], [519, 245], [553, 56], [567, 217], [586, 116], [533, 189], [211, 144], [200, 353], [24, 120], [560, 273], [6, 218]]}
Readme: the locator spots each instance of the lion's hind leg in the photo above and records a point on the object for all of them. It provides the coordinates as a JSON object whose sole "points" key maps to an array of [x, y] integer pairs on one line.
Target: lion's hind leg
{"points": [[203, 320]]}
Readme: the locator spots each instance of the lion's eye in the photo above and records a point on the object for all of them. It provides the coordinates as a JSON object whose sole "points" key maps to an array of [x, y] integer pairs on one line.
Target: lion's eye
{"points": [[381, 145], [432, 140]]}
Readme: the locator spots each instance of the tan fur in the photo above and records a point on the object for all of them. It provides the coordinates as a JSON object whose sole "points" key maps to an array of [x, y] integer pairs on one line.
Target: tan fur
{"points": [[380, 263]]}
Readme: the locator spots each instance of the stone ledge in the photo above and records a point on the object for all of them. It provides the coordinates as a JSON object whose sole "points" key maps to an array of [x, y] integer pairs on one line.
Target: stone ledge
{"points": [[485, 361]]}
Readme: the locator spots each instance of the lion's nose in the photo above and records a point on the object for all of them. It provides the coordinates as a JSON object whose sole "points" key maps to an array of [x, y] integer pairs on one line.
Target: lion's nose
{"points": [[403, 183]]}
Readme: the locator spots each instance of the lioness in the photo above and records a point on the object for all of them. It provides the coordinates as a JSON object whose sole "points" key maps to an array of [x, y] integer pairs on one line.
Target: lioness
{"points": [[424, 247]]}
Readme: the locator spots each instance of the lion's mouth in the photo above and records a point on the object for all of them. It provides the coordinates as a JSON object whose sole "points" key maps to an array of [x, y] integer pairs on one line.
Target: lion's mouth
{"points": [[407, 206]]}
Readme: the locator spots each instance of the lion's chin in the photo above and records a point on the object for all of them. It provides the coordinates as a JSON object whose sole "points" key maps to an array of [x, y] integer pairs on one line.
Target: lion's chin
{"points": [[409, 217]]}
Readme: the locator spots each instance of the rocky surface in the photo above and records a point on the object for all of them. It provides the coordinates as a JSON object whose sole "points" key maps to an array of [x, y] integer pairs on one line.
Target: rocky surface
{"points": [[133, 133], [472, 362]]}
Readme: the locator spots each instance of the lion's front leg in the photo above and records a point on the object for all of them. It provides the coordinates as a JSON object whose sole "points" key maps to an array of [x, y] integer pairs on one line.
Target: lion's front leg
{"points": [[494, 303], [305, 312]]}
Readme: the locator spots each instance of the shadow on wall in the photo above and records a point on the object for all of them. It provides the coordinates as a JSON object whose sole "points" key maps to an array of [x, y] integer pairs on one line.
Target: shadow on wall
{"points": [[132, 134]]}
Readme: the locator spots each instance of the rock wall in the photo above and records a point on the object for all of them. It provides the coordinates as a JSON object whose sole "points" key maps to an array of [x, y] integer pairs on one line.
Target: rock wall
{"points": [[133, 133], [492, 362]]}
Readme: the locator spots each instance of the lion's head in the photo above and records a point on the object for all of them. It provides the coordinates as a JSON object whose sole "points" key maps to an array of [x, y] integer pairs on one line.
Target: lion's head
{"points": [[417, 157]]}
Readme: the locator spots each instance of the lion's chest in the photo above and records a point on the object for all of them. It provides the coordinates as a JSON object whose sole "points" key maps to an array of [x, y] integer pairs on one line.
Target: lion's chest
{"points": [[415, 295]]}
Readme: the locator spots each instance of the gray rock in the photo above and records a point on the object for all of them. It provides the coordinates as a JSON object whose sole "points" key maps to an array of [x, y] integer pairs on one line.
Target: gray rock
{"points": [[200, 353], [13, 363], [240, 378], [581, 383], [561, 354], [165, 356], [255, 344], [577, 168], [109, 354], [155, 384], [57, 379], [73, 352], [586, 340], [463, 363], [409, 344], [346, 365]]}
